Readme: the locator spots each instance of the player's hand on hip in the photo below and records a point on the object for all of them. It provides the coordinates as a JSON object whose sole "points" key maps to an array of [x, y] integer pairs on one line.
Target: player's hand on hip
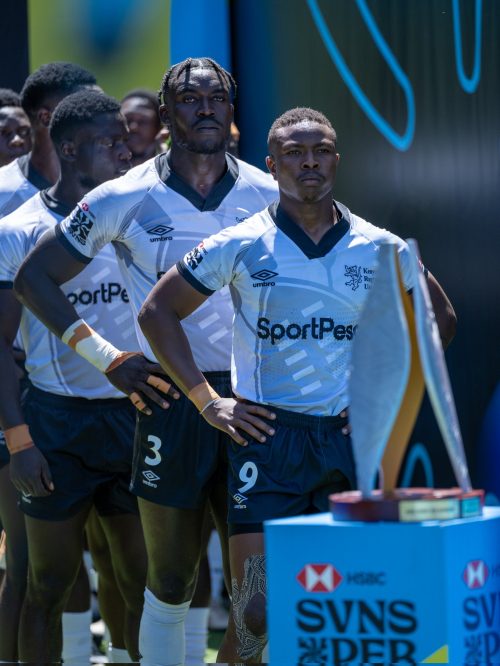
{"points": [[239, 419], [140, 379], [30, 473]]}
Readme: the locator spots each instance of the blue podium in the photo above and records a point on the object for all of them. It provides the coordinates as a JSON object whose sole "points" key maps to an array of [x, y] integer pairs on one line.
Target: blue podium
{"points": [[350, 592]]}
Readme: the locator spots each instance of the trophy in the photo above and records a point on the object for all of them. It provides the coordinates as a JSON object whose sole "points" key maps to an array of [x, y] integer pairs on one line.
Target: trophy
{"points": [[396, 354]]}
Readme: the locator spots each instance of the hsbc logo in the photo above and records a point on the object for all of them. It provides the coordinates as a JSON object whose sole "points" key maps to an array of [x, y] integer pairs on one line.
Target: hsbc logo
{"points": [[319, 578], [475, 574]]}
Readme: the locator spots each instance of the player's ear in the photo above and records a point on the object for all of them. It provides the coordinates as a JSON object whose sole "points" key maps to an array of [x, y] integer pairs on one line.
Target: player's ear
{"points": [[271, 165], [164, 115], [67, 150], [43, 116]]}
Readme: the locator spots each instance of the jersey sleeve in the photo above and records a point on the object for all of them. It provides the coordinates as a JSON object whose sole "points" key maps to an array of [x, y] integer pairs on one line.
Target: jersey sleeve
{"points": [[13, 250], [211, 264], [94, 222]]}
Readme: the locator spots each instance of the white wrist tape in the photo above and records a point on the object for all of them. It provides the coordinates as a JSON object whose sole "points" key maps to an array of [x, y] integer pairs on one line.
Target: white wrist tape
{"points": [[90, 345]]}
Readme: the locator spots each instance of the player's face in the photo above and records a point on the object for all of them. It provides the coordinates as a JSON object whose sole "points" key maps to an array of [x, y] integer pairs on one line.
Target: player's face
{"points": [[101, 151], [199, 113], [304, 161], [15, 134], [143, 124]]}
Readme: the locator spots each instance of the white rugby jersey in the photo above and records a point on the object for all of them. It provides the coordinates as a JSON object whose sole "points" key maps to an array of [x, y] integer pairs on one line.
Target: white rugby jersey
{"points": [[97, 293], [153, 218], [19, 181], [297, 304]]}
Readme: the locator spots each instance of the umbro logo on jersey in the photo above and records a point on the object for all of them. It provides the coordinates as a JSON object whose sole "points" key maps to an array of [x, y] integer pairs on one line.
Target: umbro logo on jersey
{"points": [[160, 232], [265, 278], [149, 478], [80, 224]]}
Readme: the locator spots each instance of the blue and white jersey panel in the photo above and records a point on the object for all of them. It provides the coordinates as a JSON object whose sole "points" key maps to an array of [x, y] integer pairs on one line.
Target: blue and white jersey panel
{"points": [[15, 187], [98, 294], [297, 304], [152, 218]]}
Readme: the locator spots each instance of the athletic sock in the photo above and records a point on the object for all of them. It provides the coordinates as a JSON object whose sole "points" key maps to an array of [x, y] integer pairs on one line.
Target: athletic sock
{"points": [[118, 655], [77, 639], [196, 630], [161, 636]]}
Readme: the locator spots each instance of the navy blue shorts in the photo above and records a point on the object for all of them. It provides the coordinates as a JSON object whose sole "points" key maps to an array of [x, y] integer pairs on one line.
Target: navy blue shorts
{"points": [[178, 456], [88, 445], [291, 473]]}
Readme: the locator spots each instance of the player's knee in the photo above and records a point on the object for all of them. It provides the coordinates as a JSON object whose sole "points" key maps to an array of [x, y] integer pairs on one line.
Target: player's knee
{"points": [[254, 616], [49, 589], [173, 588]]}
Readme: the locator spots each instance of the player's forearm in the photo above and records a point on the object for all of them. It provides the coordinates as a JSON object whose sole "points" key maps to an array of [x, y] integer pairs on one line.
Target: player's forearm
{"points": [[10, 401], [163, 330], [38, 292], [446, 318]]}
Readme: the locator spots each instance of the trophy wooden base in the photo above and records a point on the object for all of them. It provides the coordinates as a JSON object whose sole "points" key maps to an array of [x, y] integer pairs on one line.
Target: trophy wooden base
{"points": [[407, 505]]}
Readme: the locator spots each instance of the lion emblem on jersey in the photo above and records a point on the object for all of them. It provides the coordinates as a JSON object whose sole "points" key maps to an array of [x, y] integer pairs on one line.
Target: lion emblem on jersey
{"points": [[354, 275], [81, 224]]}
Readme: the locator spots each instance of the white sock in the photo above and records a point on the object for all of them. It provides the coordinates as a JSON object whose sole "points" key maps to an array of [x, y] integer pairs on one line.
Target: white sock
{"points": [[77, 639], [161, 636], [196, 630], [118, 655]]}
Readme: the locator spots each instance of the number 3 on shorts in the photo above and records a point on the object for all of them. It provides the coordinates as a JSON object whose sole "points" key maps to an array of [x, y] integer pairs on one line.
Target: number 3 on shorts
{"points": [[155, 447], [248, 474]]}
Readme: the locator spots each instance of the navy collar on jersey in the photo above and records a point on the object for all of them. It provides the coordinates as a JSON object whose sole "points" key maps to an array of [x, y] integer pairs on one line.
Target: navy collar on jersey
{"points": [[216, 196], [31, 174], [312, 251], [54, 205]]}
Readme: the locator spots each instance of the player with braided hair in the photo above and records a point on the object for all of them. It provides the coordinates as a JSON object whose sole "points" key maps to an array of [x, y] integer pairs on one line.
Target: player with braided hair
{"points": [[152, 216]]}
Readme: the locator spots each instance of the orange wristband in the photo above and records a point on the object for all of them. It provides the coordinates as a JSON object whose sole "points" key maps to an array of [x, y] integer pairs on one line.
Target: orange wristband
{"points": [[18, 438], [120, 359], [202, 394]]}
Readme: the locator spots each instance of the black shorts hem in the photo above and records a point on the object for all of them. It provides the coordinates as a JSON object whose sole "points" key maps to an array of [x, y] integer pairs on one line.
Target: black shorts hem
{"points": [[245, 528], [172, 505], [72, 511]]}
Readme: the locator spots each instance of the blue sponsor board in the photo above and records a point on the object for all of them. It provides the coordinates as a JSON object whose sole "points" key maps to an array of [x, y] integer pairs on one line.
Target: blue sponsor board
{"points": [[397, 593]]}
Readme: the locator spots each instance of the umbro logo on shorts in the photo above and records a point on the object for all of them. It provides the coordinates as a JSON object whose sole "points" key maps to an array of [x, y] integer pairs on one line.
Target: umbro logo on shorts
{"points": [[239, 499], [149, 478], [160, 232]]}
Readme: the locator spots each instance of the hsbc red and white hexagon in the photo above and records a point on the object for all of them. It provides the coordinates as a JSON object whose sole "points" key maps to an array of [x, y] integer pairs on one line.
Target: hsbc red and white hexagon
{"points": [[319, 577], [475, 574]]}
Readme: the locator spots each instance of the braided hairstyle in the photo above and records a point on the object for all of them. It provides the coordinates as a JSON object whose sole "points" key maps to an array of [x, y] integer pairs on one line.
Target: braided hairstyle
{"points": [[175, 72]]}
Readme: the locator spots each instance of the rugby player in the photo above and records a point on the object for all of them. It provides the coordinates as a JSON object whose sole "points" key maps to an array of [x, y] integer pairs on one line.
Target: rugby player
{"points": [[41, 92], [19, 181], [15, 128], [71, 444], [153, 215], [296, 313], [141, 110]]}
